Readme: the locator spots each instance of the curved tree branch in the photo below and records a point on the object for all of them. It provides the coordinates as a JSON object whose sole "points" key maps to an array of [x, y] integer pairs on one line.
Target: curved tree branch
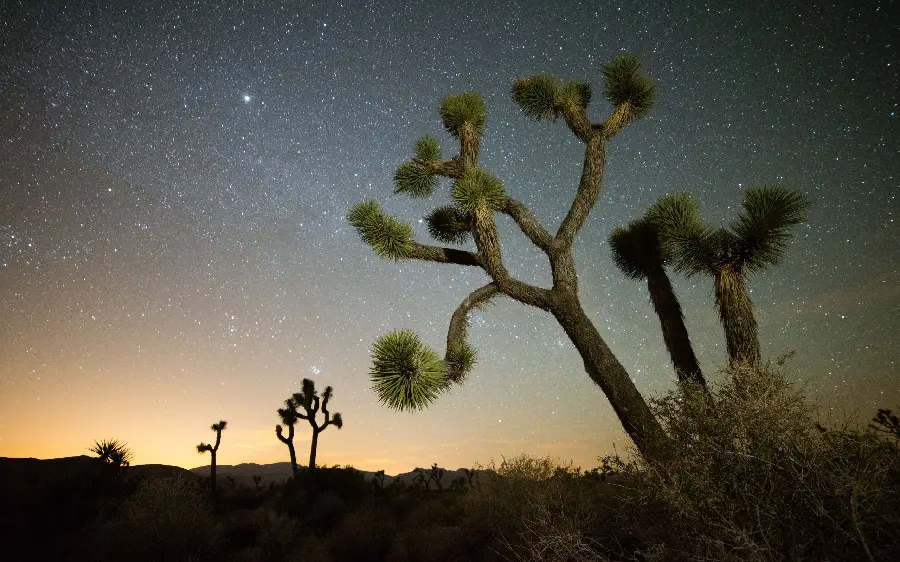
{"points": [[458, 329], [528, 223], [438, 254], [588, 191]]}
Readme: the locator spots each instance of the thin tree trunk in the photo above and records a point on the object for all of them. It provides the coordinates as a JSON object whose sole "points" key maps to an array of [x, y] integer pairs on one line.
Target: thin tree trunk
{"points": [[736, 315], [312, 451], [293, 457], [675, 334], [606, 371], [212, 474]]}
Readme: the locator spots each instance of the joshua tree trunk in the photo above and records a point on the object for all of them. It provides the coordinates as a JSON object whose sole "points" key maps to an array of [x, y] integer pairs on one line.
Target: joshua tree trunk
{"points": [[736, 314], [293, 458], [606, 371], [212, 473], [675, 333], [312, 451]]}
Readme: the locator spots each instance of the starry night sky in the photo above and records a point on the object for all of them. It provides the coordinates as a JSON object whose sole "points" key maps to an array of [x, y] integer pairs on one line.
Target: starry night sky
{"points": [[174, 183]]}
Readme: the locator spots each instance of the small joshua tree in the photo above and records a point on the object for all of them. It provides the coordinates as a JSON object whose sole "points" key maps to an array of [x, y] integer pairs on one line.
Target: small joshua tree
{"points": [[756, 241], [437, 476], [311, 402], [407, 375], [116, 457], [289, 417], [212, 450], [637, 251]]}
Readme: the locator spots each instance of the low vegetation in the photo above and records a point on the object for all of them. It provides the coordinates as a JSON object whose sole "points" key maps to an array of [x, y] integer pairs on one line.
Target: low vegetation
{"points": [[752, 476]]}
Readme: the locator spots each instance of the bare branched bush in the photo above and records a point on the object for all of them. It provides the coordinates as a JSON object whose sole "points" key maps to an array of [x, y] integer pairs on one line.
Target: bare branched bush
{"points": [[754, 477]]}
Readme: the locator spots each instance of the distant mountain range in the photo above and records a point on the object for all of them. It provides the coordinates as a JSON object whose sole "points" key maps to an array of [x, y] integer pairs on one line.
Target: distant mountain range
{"points": [[19, 474]]}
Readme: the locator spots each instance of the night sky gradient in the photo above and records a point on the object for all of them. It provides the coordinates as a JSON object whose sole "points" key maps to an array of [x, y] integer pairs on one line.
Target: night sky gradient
{"points": [[174, 183]]}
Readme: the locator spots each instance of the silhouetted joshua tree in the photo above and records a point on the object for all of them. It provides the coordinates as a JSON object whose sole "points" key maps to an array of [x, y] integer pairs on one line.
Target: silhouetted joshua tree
{"points": [[407, 375], [885, 421], [311, 402], [213, 449], [437, 476], [637, 251], [289, 417], [756, 241]]}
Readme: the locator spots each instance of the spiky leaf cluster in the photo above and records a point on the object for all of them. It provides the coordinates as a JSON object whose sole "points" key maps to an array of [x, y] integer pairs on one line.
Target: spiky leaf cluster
{"points": [[460, 111], [636, 249], [112, 451], [414, 180], [764, 227], [204, 448], [406, 374], [477, 186], [427, 150], [337, 420], [459, 362], [448, 224], [684, 234], [388, 237], [543, 96], [219, 426], [625, 82]]}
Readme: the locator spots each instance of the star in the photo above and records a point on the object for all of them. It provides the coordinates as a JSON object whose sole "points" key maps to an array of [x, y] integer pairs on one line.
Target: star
{"points": [[247, 98]]}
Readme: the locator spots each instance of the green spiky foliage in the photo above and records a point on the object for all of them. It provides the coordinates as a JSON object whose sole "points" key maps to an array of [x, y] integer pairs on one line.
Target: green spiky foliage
{"points": [[476, 187], [755, 241], [288, 417], [628, 87], [387, 236], [449, 224], [460, 112], [638, 253], [311, 403], [406, 374], [212, 450], [427, 150], [545, 97]]}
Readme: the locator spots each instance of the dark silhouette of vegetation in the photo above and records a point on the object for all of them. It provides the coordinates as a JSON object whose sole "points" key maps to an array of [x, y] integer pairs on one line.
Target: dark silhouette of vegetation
{"points": [[885, 421], [308, 399], [407, 375], [756, 241], [112, 452], [212, 450], [637, 251]]}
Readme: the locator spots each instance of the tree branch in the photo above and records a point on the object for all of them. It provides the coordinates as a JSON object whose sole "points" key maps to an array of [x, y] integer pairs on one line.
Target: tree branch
{"points": [[588, 191], [458, 330], [438, 254], [528, 223]]}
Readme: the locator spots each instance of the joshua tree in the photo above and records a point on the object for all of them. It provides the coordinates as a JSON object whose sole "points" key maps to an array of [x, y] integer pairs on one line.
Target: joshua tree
{"points": [[637, 251], [437, 476], [256, 481], [379, 480], [756, 241], [407, 375], [289, 417], [213, 449], [310, 401]]}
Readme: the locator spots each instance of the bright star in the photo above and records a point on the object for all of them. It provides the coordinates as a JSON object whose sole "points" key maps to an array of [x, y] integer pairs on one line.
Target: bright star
{"points": [[247, 98]]}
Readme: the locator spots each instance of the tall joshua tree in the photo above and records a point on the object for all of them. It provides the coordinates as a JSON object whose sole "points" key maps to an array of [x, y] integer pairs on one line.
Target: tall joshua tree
{"points": [[407, 375], [289, 417], [637, 251], [754, 242], [309, 399], [212, 450]]}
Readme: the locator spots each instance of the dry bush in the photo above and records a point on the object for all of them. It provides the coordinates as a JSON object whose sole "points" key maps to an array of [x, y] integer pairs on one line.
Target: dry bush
{"points": [[365, 534], [753, 477]]}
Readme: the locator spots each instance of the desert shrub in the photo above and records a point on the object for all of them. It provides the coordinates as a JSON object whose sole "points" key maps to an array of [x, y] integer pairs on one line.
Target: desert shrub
{"points": [[752, 476], [274, 535], [165, 519], [365, 534], [539, 510]]}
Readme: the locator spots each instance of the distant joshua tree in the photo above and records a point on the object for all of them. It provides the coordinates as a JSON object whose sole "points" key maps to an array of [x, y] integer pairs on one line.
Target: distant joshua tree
{"points": [[213, 449], [256, 481], [637, 251], [406, 374], [886, 422], [756, 241], [437, 476], [311, 402], [289, 417], [379, 479]]}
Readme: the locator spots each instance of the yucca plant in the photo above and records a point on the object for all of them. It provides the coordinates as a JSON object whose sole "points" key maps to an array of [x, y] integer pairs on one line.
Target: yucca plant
{"points": [[637, 251], [755, 241], [288, 416], [406, 374], [212, 450]]}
